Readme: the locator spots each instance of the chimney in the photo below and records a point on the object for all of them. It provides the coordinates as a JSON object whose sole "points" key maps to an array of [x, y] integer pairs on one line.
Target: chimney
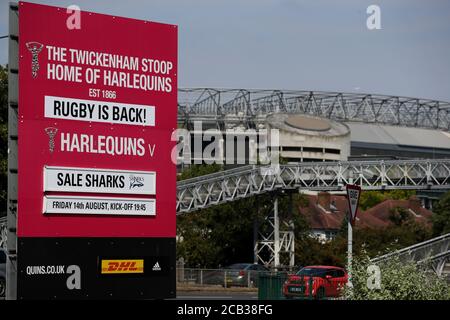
{"points": [[323, 199], [415, 204]]}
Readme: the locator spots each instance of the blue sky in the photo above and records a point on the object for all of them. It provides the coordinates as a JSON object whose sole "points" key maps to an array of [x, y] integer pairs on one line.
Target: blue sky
{"points": [[292, 44]]}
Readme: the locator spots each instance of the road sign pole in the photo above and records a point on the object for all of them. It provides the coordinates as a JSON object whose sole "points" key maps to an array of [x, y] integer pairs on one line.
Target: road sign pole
{"points": [[353, 194], [349, 252]]}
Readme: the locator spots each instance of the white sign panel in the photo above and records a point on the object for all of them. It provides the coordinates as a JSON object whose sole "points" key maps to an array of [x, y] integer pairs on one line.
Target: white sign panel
{"points": [[99, 111], [353, 193], [99, 206], [99, 181]]}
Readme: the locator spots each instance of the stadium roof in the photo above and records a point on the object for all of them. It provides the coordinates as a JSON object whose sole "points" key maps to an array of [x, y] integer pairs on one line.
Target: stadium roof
{"points": [[402, 136]]}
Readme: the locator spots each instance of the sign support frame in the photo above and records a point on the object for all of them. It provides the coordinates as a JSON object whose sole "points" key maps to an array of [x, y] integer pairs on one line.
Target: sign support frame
{"points": [[13, 109]]}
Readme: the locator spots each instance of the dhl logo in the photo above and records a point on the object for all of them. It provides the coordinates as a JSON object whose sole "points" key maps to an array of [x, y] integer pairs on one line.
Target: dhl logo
{"points": [[122, 266]]}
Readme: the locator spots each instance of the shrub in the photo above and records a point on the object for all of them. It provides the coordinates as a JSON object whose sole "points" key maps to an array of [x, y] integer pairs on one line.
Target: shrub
{"points": [[400, 280]]}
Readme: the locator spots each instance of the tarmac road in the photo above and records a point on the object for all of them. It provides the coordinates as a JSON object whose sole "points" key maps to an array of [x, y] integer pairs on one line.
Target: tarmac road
{"points": [[216, 295]]}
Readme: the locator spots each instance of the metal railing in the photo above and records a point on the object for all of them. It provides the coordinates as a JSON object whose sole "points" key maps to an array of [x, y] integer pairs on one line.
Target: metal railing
{"points": [[230, 185], [435, 252], [421, 251], [225, 278]]}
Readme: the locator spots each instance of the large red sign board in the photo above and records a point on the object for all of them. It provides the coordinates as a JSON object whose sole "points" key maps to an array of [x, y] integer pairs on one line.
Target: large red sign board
{"points": [[99, 97]]}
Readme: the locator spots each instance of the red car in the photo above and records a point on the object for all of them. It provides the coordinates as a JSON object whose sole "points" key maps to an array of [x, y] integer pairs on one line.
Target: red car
{"points": [[326, 282]]}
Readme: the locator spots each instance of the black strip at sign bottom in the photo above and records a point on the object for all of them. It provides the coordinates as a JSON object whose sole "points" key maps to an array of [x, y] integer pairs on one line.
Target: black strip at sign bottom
{"points": [[96, 268]]}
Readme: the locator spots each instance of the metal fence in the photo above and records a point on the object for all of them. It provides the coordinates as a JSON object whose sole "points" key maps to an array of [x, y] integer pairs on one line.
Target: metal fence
{"points": [[433, 254], [218, 277], [3, 231]]}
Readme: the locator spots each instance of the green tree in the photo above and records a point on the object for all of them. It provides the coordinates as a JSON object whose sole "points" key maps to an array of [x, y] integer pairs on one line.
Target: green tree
{"points": [[441, 216], [375, 242], [309, 251], [197, 170], [399, 194], [383, 240], [219, 235], [223, 234], [399, 215], [370, 199], [343, 230]]}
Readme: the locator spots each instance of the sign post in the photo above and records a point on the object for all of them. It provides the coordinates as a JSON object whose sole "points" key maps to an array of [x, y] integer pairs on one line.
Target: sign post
{"points": [[97, 107], [353, 194]]}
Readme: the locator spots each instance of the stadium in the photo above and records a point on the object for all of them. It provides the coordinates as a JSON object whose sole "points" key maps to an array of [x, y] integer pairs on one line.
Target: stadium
{"points": [[326, 126]]}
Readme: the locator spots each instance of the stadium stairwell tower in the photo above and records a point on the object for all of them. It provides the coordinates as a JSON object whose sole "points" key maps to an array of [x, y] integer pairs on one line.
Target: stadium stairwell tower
{"points": [[275, 245]]}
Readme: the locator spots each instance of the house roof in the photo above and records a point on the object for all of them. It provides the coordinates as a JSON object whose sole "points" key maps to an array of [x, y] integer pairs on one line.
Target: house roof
{"points": [[376, 217], [382, 211]]}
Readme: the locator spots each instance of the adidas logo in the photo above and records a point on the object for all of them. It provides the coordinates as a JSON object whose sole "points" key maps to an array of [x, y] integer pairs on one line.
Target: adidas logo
{"points": [[156, 267]]}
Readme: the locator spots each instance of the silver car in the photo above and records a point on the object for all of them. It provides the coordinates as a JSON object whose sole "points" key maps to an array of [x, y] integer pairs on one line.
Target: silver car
{"points": [[2, 272]]}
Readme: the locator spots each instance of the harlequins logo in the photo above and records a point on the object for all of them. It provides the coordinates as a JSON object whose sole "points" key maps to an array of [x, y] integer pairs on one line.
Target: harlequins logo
{"points": [[51, 132], [34, 48]]}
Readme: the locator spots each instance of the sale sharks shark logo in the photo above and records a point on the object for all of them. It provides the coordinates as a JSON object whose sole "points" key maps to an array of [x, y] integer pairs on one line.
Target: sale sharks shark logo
{"points": [[136, 182], [35, 48]]}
